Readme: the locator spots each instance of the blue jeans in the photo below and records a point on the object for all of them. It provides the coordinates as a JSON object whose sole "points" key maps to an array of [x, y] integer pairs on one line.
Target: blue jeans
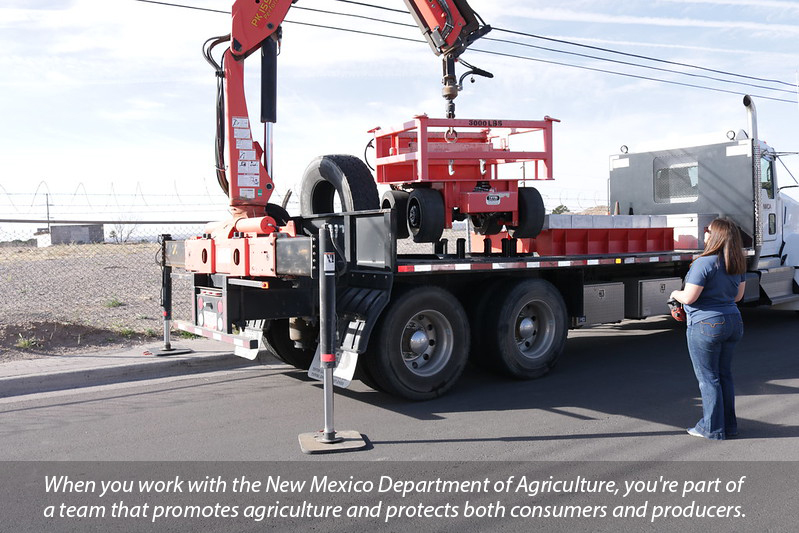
{"points": [[711, 343]]}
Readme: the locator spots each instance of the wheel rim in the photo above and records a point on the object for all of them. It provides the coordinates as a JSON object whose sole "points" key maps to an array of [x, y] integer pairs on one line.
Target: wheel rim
{"points": [[426, 343], [534, 329], [414, 215]]}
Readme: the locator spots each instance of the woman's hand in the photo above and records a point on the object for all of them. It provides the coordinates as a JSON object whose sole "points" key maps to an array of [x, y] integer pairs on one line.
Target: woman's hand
{"points": [[688, 295]]}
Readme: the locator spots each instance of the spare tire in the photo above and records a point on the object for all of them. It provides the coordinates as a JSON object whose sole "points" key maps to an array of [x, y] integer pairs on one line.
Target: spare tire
{"points": [[342, 176]]}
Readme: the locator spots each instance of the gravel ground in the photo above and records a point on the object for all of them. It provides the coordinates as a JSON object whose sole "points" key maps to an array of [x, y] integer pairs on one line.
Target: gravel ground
{"points": [[85, 297], [73, 298]]}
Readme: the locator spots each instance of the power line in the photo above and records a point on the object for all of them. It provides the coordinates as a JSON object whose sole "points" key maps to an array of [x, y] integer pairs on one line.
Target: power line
{"points": [[611, 51], [374, 6], [528, 58], [353, 15], [184, 6], [650, 67], [636, 76], [555, 50]]}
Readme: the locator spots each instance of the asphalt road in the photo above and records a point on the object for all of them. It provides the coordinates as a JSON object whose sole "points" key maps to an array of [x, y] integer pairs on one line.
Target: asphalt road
{"points": [[621, 393]]}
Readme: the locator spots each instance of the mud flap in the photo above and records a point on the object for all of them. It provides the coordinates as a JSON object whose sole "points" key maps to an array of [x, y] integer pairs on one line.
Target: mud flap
{"points": [[346, 362]]}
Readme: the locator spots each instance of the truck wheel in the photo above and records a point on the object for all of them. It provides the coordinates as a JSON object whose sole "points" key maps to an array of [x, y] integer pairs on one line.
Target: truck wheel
{"points": [[421, 344], [426, 215], [277, 341], [527, 326], [342, 176], [397, 201], [531, 214]]}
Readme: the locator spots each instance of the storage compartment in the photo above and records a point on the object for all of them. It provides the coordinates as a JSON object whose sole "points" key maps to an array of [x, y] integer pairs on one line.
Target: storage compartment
{"points": [[603, 303], [648, 297]]}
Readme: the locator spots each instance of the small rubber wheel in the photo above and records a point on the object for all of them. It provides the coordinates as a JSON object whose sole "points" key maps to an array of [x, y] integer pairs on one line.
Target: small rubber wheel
{"points": [[426, 215], [397, 201], [337, 177], [488, 224], [525, 328], [277, 341], [420, 345], [531, 214]]}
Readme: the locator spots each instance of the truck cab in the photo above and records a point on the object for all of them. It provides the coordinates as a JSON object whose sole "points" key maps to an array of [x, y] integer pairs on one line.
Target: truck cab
{"points": [[738, 178]]}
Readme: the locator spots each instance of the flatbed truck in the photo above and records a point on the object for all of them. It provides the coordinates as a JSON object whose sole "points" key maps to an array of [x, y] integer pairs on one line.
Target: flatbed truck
{"points": [[413, 321]]}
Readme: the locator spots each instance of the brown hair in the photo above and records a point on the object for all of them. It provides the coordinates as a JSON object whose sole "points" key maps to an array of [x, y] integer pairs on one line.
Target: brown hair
{"points": [[725, 241]]}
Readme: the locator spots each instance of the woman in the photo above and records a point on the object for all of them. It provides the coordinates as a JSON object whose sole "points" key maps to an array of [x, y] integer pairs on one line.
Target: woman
{"points": [[713, 284]]}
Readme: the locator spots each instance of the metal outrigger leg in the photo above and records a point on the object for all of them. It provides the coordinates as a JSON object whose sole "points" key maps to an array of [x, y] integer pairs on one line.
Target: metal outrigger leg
{"points": [[166, 304], [328, 440]]}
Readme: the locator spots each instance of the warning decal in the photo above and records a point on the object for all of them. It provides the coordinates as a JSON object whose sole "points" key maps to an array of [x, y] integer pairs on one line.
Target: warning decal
{"points": [[240, 122]]}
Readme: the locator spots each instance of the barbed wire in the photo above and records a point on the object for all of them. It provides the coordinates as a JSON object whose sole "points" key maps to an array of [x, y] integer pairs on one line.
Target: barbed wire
{"points": [[38, 203]]}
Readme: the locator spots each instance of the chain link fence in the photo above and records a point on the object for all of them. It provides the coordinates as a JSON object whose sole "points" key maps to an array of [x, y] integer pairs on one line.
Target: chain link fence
{"points": [[65, 275], [103, 275]]}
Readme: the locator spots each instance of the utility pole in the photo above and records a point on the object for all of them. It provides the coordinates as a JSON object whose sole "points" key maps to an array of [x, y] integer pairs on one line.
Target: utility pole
{"points": [[47, 201]]}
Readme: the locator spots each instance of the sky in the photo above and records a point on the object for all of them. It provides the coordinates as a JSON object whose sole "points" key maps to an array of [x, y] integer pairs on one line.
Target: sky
{"points": [[108, 105]]}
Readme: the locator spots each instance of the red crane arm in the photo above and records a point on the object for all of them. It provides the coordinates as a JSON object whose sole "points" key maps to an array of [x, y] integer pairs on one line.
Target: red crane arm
{"points": [[448, 25]]}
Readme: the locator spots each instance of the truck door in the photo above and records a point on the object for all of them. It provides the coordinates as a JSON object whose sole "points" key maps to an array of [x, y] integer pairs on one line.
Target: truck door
{"points": [[769, 207]]}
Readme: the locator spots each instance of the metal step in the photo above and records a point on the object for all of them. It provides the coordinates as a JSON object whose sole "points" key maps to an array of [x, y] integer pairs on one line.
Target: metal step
{"points": [[781, 300], [777, 282]]}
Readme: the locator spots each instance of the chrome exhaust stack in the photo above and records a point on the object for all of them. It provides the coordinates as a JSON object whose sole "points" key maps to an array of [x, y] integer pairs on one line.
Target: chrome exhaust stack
{"points": [[757, 235]]}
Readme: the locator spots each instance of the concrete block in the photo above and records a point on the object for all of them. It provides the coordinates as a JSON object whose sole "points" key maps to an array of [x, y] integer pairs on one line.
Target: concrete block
{"points": [[602, 221], [558, 222], [582, 221], [622, 221]]}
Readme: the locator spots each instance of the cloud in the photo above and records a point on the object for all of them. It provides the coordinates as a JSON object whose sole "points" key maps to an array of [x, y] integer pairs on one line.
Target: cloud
{"points": [[759, 4], [564, 15], [135, 109]]}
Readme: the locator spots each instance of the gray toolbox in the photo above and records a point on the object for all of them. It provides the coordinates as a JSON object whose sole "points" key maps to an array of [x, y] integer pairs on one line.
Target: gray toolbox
{"points": [[603, 303], [648, 297]]}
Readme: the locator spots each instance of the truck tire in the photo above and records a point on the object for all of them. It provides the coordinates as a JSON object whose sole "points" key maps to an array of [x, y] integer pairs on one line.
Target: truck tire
{"points": [[420, 346], [477, 304], [362, 373], [531, 214], [397, 201], [329, 176], [277, 341], [526, 328], [426, 215]]}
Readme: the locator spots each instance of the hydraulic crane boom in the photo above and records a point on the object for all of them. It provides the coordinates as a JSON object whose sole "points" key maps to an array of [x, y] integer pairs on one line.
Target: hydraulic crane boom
{"points": [[450, 26]]}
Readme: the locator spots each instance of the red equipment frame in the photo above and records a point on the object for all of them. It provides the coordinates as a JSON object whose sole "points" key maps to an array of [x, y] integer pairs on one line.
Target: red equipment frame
{"points": [[461, 159]]}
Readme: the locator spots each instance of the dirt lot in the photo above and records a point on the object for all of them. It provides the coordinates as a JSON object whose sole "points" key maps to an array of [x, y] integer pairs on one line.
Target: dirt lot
{"points": [[86, 297], [75, 298]]}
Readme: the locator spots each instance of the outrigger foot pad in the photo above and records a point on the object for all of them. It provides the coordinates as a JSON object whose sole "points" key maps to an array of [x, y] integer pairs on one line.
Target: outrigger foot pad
{"points": [[345, 441]]}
